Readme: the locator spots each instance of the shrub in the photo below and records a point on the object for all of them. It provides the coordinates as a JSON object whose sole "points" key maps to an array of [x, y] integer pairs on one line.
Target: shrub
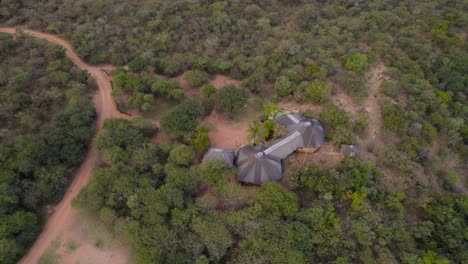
{"points": [[399, 160], [317, 91], [275, 201], [355, 62], [182, 120], [196, 77], [212, 171], [201, 141], [361, 122], [338, 120], [168, 89], [171, 65], [390, 88], [451, 177], [283, 87], [231, 99], [208, 90], [138, 64], [394, 118], [334, 117], [231, 194], [182, 155]]}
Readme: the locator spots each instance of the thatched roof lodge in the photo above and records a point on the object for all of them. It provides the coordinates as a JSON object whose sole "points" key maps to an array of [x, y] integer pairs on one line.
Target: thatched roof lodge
{"points": [[311, 131], [257, 164], [254, 165], [288, 119], [227, 155]]}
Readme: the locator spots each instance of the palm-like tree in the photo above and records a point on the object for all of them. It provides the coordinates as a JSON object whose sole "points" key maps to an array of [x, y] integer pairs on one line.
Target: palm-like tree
{"points": [[253, 132], [268, 129], [270, 110]]}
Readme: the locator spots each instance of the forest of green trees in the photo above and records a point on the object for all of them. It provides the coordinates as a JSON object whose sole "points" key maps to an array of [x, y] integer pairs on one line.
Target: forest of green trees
{"points": [[46, 122], [176, 212], [174, 209], [299, 47]]}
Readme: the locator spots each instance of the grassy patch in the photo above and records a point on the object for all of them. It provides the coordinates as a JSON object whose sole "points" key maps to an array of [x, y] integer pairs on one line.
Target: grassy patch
{"points": [[96, 231], [50, 256], [160, 109], [99, 243], [71, 246]]}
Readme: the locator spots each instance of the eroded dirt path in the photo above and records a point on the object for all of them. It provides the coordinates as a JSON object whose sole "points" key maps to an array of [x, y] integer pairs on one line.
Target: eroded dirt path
{"points": [[64, 218], [372, 106]]}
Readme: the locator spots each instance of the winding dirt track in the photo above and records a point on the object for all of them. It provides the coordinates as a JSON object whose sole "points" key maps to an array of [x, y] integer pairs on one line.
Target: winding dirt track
{"points": [[64, 215]]}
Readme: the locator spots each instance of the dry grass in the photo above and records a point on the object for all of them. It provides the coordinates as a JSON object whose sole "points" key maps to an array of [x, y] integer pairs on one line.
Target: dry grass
{"points": [[96, 232], [51, 256]]}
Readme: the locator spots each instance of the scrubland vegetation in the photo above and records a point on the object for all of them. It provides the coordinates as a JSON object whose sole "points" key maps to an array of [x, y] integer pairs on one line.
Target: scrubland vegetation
{"points": [[174, 209], [46, 122], [176, 212]]}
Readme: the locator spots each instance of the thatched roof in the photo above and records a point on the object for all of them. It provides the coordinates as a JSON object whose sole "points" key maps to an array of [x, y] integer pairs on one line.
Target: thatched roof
{"points": [[288, 119], [311, 131], [227, 155], [256, 166], [350, 150]]}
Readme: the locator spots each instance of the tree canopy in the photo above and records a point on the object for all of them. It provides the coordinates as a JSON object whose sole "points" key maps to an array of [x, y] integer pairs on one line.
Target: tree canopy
{"points": [[46, 122]]}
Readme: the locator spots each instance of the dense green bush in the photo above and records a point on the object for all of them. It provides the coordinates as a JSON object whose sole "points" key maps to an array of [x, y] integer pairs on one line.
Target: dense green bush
{"points": [[182, 155], [317, 91], [340, 131], [182, 120], [144, 89], [231, 99], [355, 62], [138, 64], [394, 118], [46, 122], [168, 89], [196, 77], [201, 141]]}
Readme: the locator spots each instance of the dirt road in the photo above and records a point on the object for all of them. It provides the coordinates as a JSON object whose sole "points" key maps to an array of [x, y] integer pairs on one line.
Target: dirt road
{"points": [[64, 215]]}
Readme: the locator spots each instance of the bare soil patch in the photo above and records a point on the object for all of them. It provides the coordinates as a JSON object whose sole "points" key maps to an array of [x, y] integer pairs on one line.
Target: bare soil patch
{"points": [[327, 156], [301, 107], [228, 133], [220, 80], [372, 106], [188, 89], [160, 136], [87, 241], [341, 99]]}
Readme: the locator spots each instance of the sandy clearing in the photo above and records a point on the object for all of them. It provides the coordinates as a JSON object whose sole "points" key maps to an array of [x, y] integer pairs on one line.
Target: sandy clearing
{"points": [[217, 81], [327, 156], [188, 89], [290, 105], [228, 134], [64, 218], [220, 80], [342, 99]]}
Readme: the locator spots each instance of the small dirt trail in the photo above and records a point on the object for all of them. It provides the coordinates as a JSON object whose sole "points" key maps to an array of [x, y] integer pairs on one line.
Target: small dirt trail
{"points": [[61, 221], [372, 105]]}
